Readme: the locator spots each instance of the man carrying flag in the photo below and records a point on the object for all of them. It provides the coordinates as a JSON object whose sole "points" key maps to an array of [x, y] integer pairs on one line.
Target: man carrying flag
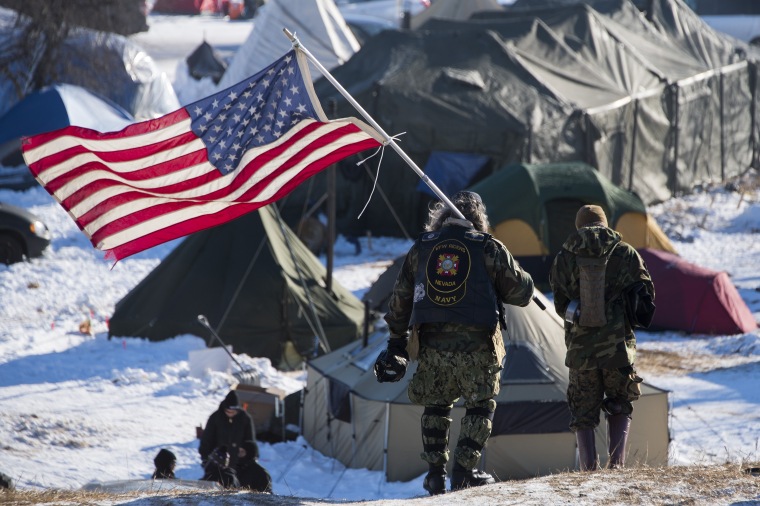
{"points": [[198, 167]]}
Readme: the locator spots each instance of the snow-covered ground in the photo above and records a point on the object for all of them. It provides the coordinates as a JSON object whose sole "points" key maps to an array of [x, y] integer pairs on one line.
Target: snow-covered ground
{"points": [[76, 407]]}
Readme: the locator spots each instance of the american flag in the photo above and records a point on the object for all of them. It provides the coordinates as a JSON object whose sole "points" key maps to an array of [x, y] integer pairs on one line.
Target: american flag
{"points": [[198, 167]]}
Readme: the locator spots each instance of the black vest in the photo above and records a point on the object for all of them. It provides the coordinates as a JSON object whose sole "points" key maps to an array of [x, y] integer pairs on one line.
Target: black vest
{"points": [[452, 284]]}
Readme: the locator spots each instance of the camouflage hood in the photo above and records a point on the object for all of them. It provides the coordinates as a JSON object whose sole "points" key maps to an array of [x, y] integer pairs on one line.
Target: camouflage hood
{"points": [[592, 241]]}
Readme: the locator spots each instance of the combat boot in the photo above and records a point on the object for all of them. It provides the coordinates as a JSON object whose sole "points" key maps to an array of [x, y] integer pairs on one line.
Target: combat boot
{"points": [[465, 478], [587, 457], [618, 427], [435, 481]]}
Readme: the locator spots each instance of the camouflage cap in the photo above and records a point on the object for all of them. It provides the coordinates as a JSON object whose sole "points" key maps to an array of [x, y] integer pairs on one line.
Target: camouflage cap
{"points": [[589, 215]]}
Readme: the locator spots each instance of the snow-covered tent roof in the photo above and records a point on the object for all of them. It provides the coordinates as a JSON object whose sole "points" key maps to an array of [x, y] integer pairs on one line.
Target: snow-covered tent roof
{"points": [[108, 64], [318, 24]]}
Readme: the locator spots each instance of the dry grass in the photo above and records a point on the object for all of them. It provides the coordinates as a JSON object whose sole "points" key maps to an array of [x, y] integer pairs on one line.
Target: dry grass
{"points": [[693, 486], [677, 364]]}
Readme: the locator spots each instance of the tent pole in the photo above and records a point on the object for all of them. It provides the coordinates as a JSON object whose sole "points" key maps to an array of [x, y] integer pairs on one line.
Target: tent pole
{"points": [[388, 140], [331, 176], [329, 422], [385, 438]]}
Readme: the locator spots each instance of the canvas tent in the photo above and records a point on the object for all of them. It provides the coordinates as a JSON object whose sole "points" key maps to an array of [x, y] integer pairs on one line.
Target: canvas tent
{"points": [[257, 284], [348, 415], [464, 94], [698, 126], [695, 299], [597, 82], [318, 25], [532, 210]]}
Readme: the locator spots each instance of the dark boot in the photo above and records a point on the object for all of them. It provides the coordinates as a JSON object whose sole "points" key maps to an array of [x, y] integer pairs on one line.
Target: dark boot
{"points": [[587, 457], [618, 427], [465, 478], [435, 481]]}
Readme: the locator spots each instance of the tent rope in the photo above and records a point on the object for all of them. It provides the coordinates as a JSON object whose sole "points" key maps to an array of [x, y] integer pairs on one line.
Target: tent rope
{"points": [[345, 468], [319, 331], [387, 202]]}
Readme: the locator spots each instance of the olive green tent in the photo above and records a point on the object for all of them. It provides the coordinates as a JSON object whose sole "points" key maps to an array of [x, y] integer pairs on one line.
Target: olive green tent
{"points": [[259, 286], [348, 415]]}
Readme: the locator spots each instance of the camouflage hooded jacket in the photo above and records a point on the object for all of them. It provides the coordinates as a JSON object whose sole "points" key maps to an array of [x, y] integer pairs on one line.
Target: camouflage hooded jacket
{"points": [[614, 344]]}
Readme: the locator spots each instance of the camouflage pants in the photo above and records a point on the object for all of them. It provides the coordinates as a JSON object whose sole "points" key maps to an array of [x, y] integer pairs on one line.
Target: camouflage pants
{"points": [[588, 388], [442, 378]]}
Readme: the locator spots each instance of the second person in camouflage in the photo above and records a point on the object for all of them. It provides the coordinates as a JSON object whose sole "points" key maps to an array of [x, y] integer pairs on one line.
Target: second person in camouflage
{"points": [[449, 291], [592, 272]]}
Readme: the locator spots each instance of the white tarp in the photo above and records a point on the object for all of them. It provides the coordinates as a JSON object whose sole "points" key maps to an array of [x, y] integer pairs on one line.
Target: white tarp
{"points": [[318, 25]]}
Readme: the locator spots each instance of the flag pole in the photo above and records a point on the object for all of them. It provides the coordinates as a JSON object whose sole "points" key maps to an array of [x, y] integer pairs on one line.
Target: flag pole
{"points": [[387, 138]]}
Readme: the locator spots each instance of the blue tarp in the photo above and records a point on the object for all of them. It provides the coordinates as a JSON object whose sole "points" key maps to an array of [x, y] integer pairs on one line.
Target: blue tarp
{"points": [[59, 106], [451, 172]]}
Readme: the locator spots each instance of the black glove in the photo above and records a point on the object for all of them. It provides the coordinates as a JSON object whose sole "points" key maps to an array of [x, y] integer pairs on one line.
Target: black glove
{"points": [[390, 365]]}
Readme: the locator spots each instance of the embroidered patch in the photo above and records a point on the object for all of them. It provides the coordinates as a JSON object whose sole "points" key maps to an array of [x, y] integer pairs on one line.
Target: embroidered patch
{"points": [[447, 270], [419, 292]]}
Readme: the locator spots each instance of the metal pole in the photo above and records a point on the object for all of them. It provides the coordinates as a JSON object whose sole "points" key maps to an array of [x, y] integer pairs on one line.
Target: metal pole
{"points": [[388, 139], [331, 176], [204, 321]]}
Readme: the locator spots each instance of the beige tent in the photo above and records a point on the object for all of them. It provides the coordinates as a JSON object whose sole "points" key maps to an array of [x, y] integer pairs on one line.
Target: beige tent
{"points": [[349, 416]]}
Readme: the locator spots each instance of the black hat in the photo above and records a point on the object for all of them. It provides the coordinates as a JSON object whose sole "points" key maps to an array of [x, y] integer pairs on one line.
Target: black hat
{"points": [[251, 450], [164, 459], [231, 401]]}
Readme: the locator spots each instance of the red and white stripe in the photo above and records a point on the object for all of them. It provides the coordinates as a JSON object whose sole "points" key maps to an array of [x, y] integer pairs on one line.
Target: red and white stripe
{"points": [[152, 182]]}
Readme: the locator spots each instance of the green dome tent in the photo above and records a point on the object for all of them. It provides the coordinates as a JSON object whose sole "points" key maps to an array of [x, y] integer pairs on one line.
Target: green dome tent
{"points": [[532, 210]]}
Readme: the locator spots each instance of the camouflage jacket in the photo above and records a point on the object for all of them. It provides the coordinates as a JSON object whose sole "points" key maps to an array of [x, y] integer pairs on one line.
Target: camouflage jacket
{"points": [[614, 344], [513, 285]]}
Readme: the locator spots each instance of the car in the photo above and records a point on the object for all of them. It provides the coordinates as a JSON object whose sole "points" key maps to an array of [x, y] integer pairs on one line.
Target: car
{"points": [[22, 234], [737, 18]]}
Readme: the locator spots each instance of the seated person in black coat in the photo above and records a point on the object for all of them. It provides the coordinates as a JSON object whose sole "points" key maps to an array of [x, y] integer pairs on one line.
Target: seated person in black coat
{"points": [[165, 462], [250, 473]]}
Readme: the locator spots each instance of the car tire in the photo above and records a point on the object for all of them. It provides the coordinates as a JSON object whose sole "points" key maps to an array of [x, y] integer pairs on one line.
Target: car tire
{"points": [[11, 249]]}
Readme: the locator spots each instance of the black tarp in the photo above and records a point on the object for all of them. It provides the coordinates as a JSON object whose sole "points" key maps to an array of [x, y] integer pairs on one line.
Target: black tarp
{"points": [[204, 61], [658, 101]]}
